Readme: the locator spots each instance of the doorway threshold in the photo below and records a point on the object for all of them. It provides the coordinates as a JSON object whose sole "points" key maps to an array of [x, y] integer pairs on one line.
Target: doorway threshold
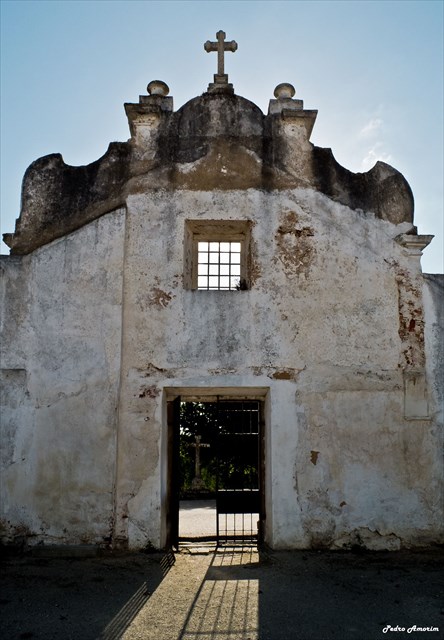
{"points": [[197, 547]]}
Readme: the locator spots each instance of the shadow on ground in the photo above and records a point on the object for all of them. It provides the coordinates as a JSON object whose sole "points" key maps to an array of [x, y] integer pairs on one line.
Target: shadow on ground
{"points": [[234, 593], [318, 596], [78, 598]]}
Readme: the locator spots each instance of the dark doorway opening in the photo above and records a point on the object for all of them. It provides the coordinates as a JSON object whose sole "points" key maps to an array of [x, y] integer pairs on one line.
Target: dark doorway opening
{"points": [[216, 471]]}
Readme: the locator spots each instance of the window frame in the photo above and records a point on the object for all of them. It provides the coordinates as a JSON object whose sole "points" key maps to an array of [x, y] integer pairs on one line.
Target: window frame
{"points": [[216, 231]]}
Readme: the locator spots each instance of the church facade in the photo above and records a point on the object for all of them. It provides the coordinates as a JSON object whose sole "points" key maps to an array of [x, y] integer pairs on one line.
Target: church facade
{"points": [[218, 255]]}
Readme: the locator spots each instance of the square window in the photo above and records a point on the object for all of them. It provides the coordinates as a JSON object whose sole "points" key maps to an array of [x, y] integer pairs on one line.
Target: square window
{"points": [[217, 254], [221, 265]]}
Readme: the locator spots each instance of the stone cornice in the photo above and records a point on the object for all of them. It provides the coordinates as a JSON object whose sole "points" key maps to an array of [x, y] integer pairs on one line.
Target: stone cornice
{"points": [[414, 244]]}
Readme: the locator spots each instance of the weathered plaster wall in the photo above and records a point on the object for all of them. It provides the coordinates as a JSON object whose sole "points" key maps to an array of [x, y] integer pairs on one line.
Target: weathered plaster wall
{"points": [[320, 327], [101, 326], [215, 141], [433, 295], [61, 319]]}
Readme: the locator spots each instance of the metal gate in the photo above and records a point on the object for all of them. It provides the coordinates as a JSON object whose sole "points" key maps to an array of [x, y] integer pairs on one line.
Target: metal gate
{"points": [[238, 496], [234, 445]]}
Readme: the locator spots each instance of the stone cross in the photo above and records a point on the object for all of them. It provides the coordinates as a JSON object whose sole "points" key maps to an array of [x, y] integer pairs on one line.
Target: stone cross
{"points": [[220, 46], [197, 482]]}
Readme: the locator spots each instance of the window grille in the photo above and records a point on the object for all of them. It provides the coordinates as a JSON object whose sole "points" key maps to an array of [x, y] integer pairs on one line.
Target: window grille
{"points": [[219, 265]]}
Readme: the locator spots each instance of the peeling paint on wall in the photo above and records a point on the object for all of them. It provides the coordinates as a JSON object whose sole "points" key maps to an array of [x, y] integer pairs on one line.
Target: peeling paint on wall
{"points": [[160, 298], [149, 392], [295, 249], [411, 320]]}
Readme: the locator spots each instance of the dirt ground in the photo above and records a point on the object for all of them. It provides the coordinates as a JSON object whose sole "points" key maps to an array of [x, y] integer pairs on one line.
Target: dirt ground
{"points": [[229, 594]]}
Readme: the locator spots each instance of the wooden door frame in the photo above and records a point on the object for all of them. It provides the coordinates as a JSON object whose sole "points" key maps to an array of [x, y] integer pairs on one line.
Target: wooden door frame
{"points": [[173, 488]]}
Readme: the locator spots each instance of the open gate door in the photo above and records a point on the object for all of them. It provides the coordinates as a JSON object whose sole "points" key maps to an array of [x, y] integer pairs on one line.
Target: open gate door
{"points": [[173, 484], [239, 502]]}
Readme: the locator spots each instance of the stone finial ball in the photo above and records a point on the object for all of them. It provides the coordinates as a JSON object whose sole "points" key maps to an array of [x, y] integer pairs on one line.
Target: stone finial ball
{"points": [[284, 90], [158, 88]]}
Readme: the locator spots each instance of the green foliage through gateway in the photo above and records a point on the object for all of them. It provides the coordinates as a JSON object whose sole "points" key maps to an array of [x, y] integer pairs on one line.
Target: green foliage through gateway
{"points": [[231, 460], [198, 419]]}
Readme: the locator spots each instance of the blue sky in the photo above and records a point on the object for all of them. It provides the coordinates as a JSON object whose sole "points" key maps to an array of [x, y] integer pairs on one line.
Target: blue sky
{"points": [[373, 69]]}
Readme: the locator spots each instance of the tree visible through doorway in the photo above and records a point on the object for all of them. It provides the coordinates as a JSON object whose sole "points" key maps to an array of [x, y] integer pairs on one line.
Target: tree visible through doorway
{"points": [[218, 453], [198, 421]]}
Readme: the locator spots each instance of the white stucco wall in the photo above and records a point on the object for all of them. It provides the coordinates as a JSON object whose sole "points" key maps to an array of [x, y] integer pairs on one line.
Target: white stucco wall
{"points": [[320, 328], [61, 323], [100, 331]]}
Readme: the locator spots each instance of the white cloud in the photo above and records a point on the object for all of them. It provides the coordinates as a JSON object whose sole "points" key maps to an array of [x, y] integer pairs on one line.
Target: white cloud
{"points": [[374, 154], [372, 127]]}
